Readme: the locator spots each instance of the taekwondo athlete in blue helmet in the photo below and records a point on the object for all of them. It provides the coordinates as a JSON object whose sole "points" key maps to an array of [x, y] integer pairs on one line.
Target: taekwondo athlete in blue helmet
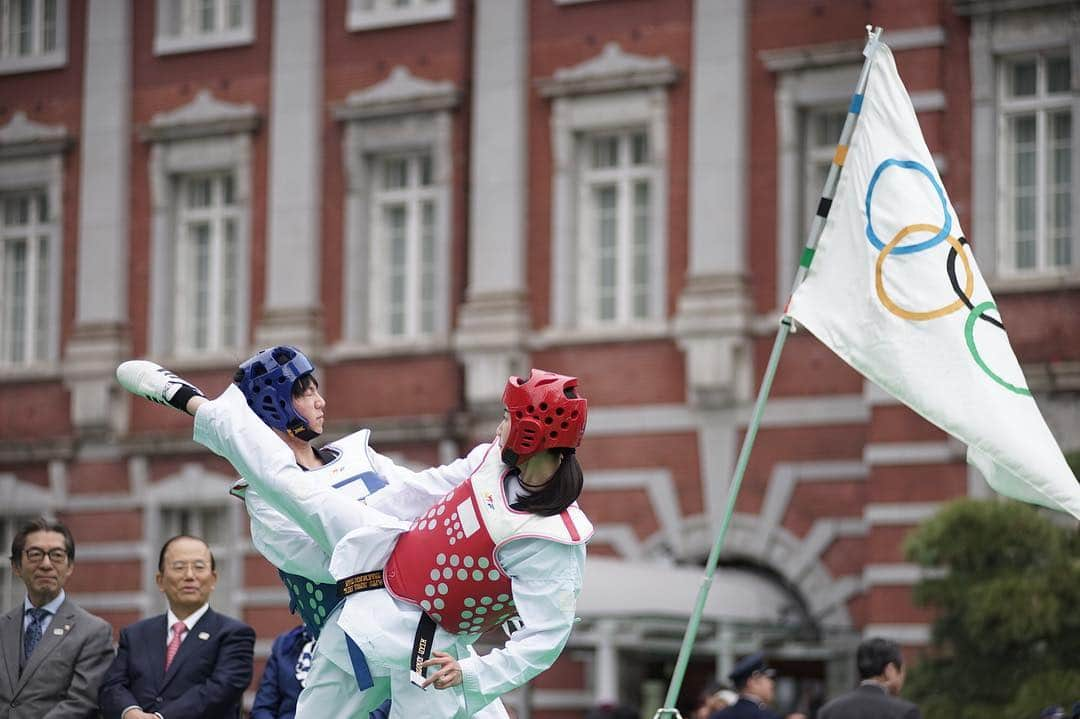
{"points": [[265, 423]]}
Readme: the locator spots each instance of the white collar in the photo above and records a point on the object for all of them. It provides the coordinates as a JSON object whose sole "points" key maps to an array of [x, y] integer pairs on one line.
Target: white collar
{"points": [[52, 607], [192, 619]]}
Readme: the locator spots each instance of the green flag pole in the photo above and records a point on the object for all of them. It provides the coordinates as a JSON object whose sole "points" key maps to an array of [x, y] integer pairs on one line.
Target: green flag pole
{"points": [[816, 228]]}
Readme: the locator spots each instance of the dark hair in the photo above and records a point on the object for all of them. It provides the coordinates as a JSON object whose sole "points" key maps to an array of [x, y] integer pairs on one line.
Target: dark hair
{"points": [[874, 655], [41, 524], [560, 492], [165, 547]]}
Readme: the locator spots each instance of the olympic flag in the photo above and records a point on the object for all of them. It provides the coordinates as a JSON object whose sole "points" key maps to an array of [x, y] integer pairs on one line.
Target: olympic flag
{"points": [[894, 290]]}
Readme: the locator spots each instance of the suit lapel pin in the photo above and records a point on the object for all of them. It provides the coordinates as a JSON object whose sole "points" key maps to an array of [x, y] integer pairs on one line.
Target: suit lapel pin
{"points": [[58, 631], [204, 636]]}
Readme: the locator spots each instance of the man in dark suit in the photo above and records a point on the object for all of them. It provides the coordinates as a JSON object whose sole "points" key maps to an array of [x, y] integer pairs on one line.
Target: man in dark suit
{"points": [[754, 681], [881, 669], [190, 663], [53, 654]]}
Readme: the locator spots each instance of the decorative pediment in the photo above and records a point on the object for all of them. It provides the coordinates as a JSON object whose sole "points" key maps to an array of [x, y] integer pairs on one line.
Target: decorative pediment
{"points": [[205, 115], [22, 497], [401, 93], [613, 69], [22, 137], [193, 484]]}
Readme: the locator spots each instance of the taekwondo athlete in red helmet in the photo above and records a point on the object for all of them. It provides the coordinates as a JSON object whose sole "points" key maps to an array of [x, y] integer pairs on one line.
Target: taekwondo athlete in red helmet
{"points": [[509, 540]]}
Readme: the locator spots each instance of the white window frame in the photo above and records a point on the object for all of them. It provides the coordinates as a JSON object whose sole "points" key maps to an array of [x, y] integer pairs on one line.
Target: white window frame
{"points": [[37, 278], [37, 59], [371, 14], [412, 198], [575, 118], [623, 177], [190, 39], [997, 37], [220, 289], [196, 492], [402, 115], [31, 159], [205, 137], [1039, 106]]}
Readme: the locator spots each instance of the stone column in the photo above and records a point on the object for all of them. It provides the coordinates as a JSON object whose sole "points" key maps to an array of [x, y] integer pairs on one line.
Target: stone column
{"points": [[100, 337], [494, 318], [714, 309], [291, 313]]}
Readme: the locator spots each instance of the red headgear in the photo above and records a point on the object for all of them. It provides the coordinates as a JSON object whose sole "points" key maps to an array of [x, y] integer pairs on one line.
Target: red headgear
{"points": [[545, 412]]}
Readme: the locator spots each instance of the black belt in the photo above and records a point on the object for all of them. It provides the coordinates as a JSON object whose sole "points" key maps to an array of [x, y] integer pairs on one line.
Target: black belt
{"points": [[425, 630], [362, 582]]}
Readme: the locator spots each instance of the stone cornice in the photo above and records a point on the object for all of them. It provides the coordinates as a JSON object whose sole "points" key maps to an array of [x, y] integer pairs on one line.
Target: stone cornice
{"points": [[401, 93], [204, 116], [22, 137], [611, 70]]}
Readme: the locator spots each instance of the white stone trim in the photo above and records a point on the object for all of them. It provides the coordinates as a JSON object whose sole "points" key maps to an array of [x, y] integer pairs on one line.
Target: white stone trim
{"points": [[659, 487], [115, 601], [612, 70], [43, 61], [204, 135], [621, 537], [897, 514], [371, 130], [898, 573], [31, 156], [821, 535], [166, 44], [401, 93], [570, 117], [902, 453], [384, 15], [808, 56], [906, 634], [18, 497]]}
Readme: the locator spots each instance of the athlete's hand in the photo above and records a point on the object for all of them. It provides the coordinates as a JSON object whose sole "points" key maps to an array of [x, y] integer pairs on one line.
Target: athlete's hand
{"points": [[449, 674]]}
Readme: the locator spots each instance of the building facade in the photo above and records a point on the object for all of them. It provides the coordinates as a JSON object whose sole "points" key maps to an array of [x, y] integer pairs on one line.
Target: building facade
{"points": [[431, 195]]}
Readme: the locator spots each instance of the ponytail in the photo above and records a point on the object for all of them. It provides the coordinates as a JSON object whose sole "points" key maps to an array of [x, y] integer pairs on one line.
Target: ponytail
{"points": [[560, 492]]}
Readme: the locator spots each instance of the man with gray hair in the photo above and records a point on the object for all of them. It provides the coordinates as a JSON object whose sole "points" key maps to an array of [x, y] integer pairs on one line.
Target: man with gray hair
{"points": [[881, 669]]}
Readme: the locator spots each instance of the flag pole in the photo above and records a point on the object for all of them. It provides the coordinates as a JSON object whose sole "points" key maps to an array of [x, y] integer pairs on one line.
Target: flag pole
{"points": [[816, 228]]}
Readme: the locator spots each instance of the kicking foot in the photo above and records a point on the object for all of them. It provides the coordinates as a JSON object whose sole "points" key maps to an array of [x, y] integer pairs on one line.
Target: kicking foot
{"points": [[156, 383]]}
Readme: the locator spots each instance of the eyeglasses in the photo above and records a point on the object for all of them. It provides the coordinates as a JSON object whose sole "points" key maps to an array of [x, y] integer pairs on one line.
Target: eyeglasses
{"points": [[56, 556], [198, 567]]}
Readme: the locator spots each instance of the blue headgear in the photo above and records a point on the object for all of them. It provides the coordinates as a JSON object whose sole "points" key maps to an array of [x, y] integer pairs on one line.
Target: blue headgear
{"points": [[267, 381]]}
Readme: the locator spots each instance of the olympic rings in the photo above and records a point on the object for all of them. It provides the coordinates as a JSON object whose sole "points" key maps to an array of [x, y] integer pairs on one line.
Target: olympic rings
{"points": [[969, 335], [941, 232], [946, 226], [879, 282]]}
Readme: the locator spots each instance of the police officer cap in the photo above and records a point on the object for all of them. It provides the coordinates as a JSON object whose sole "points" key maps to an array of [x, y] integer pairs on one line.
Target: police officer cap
{"points": [[747, 667]]}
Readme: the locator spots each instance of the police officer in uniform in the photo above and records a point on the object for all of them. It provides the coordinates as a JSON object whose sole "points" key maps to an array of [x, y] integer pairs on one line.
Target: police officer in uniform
{"points": [[754, 681]]}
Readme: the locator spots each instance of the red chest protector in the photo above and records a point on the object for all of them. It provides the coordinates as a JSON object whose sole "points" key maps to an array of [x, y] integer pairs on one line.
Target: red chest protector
{"points": [[446, 563]]}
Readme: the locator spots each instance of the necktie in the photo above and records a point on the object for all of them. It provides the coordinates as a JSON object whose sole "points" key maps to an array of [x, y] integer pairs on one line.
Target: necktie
{"points": [[178, 631], [33, 630]]}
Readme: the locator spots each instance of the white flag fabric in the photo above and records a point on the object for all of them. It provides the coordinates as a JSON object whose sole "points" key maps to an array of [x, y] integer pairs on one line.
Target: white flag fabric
{"points": [[893, 289]]}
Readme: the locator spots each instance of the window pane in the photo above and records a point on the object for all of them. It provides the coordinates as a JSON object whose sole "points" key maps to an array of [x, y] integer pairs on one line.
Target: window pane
{"points": [[230, 278], [228, 191], [15, 299], [206, 15], [605, 152], [640, 148], [25, 25], [48, 43], [200, 244], [425, 170], [1059, 187], [41, 300], [427, 268], [1058, 77], [1022, 78], [17, 210], [395, 173], [394, 224], [606, 203], [236, 13], [199, 192], [641, 250]]}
